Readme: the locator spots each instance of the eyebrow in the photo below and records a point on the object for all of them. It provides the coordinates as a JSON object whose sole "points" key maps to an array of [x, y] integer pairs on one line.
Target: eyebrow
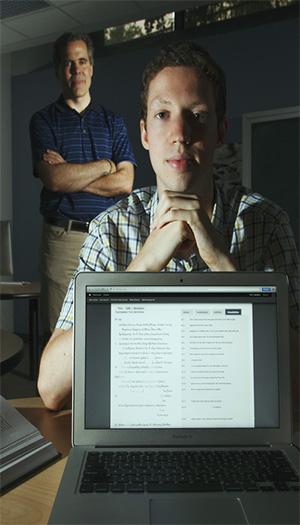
{"points": [[68, 59], [158, 100]]}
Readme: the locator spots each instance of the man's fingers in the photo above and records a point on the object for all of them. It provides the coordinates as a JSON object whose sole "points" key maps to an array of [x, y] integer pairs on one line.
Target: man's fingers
{"points": [[185, 216], [52, 157], [174, 201], [160, 247]]}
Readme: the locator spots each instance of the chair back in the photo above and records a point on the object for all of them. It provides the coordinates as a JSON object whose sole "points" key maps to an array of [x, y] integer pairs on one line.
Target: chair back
{"points": [[6, 260]]}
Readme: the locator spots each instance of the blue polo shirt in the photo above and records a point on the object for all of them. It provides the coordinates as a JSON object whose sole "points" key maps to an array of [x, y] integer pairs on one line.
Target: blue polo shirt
{"points": [[94, 134]]}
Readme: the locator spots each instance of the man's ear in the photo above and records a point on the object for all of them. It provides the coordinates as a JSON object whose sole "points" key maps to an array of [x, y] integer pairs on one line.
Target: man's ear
{"points": [[144, 134], [222, 130]]}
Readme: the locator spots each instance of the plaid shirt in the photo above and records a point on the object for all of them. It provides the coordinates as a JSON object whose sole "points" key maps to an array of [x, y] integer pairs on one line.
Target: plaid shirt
{"points": [[256, 231]]}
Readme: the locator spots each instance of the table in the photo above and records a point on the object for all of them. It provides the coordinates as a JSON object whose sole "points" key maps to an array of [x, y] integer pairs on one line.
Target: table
{"points": [[11, 350], [30, 291], [31, 501]]}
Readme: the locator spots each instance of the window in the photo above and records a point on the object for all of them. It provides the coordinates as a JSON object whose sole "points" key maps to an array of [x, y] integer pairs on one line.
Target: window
{"points": [[139, 29], [222, 11], [203, 15]]}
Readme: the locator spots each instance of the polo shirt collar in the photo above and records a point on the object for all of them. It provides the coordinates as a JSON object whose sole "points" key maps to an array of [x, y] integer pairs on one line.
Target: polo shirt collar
{"points": [[61, 105]]}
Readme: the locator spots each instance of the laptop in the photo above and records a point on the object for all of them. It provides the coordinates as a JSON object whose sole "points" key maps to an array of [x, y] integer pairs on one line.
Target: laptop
{"points": [[181, 401]]}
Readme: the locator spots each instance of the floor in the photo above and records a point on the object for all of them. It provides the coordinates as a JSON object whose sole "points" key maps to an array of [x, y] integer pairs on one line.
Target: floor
{"points": [[17, 383]]}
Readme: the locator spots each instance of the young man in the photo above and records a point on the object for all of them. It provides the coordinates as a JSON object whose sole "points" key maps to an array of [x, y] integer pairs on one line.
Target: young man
{"points": [[187, 223], [82, 154]]}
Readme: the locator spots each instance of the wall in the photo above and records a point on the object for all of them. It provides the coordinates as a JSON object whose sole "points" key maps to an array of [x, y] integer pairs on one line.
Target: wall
{"points": [[6, 321], [262, 68]]}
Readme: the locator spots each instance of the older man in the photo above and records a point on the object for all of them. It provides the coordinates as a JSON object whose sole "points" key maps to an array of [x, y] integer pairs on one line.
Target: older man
{"points": [[82, 154]]}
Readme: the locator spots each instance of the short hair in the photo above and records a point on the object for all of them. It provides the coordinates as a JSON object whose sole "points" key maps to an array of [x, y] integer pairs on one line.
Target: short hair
{"points": [[188, 54], [61, 43]]}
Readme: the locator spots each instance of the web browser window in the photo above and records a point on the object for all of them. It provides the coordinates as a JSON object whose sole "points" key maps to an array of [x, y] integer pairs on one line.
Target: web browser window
{"points": [[181, 357]]}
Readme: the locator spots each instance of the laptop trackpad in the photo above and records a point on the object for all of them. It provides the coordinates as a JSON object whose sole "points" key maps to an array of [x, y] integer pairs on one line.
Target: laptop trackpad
{"points": [[208, 511]]}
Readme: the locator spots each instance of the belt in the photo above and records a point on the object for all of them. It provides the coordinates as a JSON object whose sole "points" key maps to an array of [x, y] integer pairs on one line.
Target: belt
{"points": [[68, 224]]}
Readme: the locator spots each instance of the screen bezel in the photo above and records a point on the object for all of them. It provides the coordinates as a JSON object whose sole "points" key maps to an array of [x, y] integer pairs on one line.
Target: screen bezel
{"points": [[179, 437]]}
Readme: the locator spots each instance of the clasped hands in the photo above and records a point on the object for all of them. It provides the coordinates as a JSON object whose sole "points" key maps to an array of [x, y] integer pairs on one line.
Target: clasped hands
{"points": [[181, 226]]}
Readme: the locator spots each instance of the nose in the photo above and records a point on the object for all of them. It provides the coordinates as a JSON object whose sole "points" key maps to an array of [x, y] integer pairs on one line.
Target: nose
{"points": [[181, 130], [74, 68]]}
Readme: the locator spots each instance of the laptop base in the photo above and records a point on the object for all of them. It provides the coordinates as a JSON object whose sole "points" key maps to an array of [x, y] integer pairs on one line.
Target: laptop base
{"points": [[236, 508]]}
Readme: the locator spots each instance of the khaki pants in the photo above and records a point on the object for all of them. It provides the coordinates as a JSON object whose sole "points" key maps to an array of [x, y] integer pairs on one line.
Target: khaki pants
{"points": [[59, 259]]}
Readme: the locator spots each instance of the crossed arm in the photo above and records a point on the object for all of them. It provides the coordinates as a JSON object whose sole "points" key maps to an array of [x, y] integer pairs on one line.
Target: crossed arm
{"points": [[101, 177]]}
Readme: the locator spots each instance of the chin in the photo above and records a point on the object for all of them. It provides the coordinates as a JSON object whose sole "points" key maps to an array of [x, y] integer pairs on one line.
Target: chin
{"points": [[181, 186], [179, 182]]}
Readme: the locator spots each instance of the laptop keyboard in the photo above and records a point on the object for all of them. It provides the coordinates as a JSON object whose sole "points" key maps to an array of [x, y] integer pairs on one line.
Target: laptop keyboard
{"points": [[188, 471]]}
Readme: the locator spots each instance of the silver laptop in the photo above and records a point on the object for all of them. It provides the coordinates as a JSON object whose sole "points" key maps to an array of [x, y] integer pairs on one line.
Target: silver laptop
{"points": [[181, 401]]}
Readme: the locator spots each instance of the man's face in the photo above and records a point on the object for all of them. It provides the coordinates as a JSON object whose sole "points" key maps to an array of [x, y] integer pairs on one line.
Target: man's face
{"points": [[76, 70], [181, 130]]}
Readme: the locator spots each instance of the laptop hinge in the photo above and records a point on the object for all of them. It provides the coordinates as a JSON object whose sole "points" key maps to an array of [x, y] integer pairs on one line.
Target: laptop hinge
{"points": [[260, 445]]}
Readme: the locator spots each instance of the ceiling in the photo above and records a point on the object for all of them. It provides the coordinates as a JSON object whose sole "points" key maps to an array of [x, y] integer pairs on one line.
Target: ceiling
{"points": [[28, 23]]}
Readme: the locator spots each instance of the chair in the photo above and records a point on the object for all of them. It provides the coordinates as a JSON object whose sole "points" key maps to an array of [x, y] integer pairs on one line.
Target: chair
{"points": [[11, 351], [10, 290], [6, 260]]}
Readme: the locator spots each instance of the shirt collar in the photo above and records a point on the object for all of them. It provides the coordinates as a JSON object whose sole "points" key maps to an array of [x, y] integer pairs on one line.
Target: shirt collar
{"points": [[61, 105]]}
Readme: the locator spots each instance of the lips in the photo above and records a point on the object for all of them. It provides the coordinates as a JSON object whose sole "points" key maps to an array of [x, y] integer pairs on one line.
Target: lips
{"points": [[180, 163], [77, 81]]}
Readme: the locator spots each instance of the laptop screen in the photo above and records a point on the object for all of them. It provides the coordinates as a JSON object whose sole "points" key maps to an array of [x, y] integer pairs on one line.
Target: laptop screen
{"points": [[181, 357]]}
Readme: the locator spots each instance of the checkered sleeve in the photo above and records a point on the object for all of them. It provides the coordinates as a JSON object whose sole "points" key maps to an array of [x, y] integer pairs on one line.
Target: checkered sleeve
{"points": [[280, 255], [65, 319]]}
